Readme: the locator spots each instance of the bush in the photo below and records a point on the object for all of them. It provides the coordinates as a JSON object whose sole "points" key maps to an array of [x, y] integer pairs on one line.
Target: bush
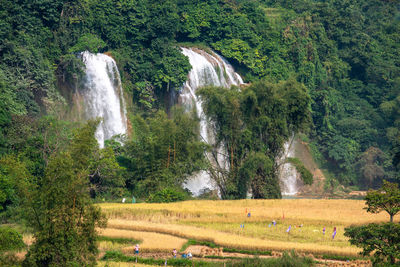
{"points": [[88, 42], [287, 260], [167, 195], [305, 174], [380, 240], [10, 239]]}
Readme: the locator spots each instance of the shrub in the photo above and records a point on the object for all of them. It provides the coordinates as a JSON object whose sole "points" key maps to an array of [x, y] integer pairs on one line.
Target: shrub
{"points": [[89, 42], [380, 240], [10, 239], [306, 175], [167, 195]]}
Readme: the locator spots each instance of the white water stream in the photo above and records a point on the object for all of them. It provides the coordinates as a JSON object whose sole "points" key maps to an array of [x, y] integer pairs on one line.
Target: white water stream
{"points": [[288, 175], [102, 96], [207, 69], [211, 69]]}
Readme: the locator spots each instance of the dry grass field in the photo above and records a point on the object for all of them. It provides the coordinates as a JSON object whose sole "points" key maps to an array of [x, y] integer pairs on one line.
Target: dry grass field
{"points": [[219, 222], [151, 241]]}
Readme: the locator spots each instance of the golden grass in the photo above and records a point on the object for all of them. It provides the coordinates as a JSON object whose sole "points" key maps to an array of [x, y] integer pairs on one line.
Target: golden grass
{"points": [[231, 240], [321, 210], [150, 241], [109, 245], [219, 221]]}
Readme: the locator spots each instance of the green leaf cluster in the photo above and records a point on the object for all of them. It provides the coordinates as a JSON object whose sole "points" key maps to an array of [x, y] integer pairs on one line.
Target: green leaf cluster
{"points": [[162, 152], [382, 241], [386, 198], [251, 126], [59, 209], [306, 175], [10, 239]]}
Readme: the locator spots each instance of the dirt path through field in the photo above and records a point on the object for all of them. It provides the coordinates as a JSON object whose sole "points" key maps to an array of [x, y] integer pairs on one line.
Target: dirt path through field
{"points": [[199, 253]]}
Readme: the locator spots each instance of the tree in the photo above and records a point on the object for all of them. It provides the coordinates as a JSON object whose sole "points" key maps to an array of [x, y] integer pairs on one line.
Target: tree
{"points": [[387, 198], [250, 127], [60, 211], [383, 240], [162, 152], [14, 177]]}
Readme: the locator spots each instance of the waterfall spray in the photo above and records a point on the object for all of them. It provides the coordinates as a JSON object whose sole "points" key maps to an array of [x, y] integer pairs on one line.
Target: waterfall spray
{"points": [[288, 175], [102, 95], [207, 69]]}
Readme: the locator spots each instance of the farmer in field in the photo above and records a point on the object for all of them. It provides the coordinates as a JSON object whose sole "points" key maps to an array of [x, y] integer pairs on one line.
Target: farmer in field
{"points": [[174, 253], [137, 251], [334, 233], [323, 230]]}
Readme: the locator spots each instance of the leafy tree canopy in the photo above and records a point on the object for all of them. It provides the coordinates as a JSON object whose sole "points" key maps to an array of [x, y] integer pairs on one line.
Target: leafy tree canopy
{"points": [[387, 198]]}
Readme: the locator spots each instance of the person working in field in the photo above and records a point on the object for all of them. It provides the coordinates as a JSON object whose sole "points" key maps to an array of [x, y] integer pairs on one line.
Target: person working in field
{"points": [[334, 233], [174, 253], [137, 251]]}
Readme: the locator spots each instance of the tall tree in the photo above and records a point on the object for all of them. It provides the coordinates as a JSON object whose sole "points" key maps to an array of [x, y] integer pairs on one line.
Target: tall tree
{"points": [[60, 211], [248, 123]]}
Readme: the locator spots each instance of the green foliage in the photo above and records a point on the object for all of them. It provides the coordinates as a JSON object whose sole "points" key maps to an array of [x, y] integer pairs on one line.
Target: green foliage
{"points": [[162, 152], [287, 260], [88, 42], [380, 240], [120, 257], [257, 174], [10, 242], [59, 208], [387, 198], [167, 195], [252, 126], [10, 239], [373, 166], [14, 178], [345, 53], [71, 68], [306, 175], [250, 252], [119, 240]]}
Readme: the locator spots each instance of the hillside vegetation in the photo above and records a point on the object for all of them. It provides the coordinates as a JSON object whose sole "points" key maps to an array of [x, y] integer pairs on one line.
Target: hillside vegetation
{"points": [[326, 70], [345, 52]]}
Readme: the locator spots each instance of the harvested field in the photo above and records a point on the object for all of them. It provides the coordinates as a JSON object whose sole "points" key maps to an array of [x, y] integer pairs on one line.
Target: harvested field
{"points": [[220, 221], [150, 241]]}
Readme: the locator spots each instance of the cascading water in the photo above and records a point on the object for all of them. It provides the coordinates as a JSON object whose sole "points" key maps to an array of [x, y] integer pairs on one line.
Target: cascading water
{"points": [[207, 69], [102, 95], [288, 175]]}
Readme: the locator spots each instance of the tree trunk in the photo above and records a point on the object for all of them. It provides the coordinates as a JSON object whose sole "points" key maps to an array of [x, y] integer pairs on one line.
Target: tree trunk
{"points": [[391, 217]]}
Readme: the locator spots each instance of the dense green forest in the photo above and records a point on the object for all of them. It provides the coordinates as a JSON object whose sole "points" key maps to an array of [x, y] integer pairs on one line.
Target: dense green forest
{"points": [[341, 55]]}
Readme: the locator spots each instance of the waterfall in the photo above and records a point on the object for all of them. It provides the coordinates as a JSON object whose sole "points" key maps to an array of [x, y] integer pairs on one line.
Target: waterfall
{"points": [[288, 175], [102, 96], [207, 69]]}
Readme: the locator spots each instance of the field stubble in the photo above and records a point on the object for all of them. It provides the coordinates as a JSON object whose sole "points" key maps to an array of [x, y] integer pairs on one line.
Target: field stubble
{"points": [[219, 221]]}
